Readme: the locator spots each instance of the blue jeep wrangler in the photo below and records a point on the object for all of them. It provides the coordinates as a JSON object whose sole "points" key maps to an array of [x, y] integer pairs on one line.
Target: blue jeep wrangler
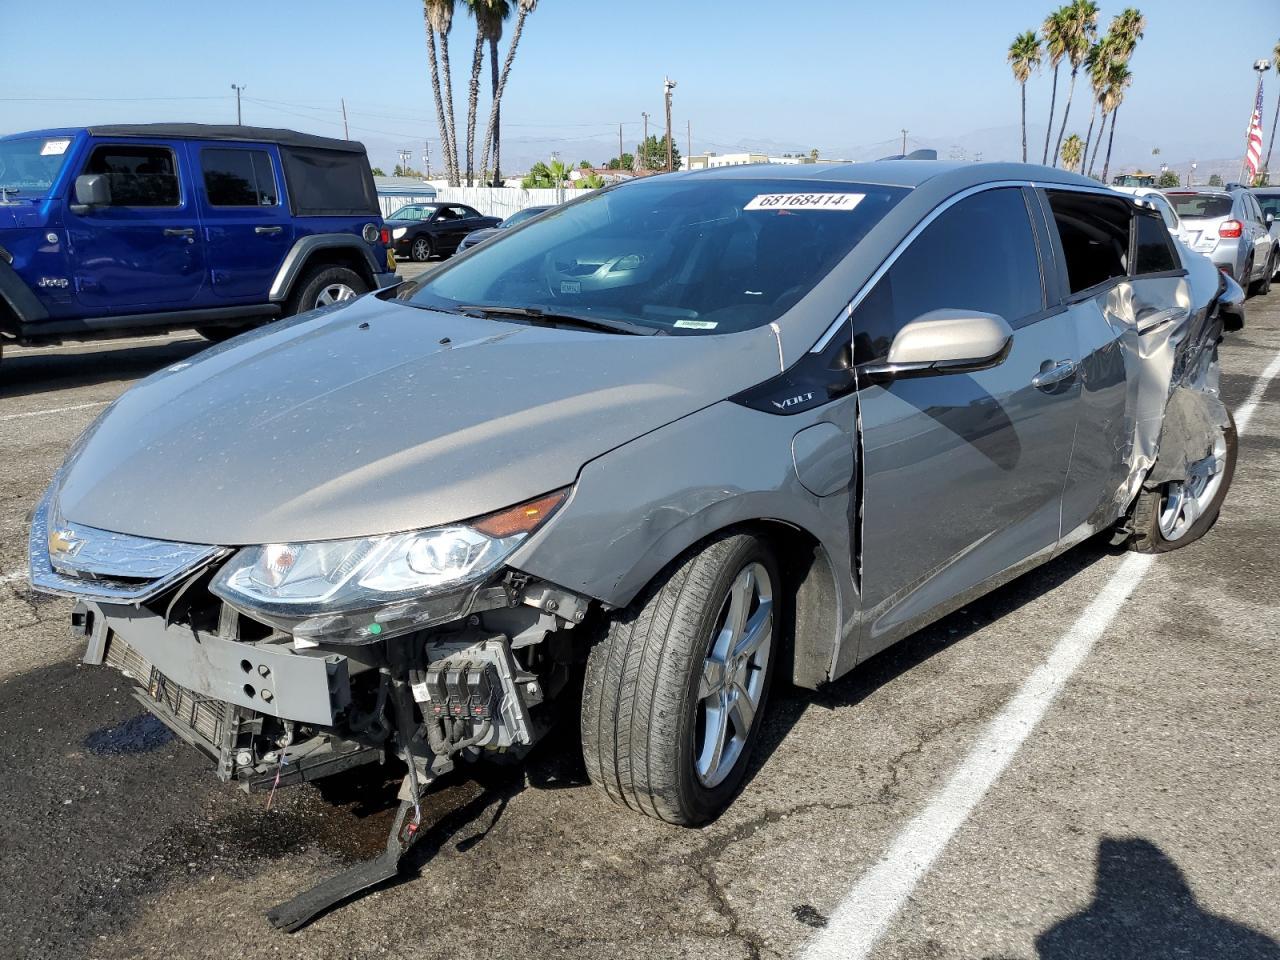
{"points": [[148, 227]]}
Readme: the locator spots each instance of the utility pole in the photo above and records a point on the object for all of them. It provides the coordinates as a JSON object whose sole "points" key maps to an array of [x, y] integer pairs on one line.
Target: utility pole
{"points": [[619, 146], [346, 134], [644, 143], [426, 157], [239, 90], [688, 139], [667, 86], [904, 142], [405, 157]]}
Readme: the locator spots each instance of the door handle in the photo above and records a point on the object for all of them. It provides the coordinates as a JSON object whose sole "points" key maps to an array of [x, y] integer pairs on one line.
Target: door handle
{"points": [[179, 231], [1060, 371], [261, 231]]}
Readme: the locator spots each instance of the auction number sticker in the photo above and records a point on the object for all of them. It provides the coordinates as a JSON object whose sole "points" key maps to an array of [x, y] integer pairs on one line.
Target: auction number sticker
{"points": [[805, 201], [55, 148]]}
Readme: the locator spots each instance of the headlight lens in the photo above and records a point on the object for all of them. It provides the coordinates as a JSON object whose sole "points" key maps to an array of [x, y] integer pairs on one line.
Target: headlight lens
{"points": [[373, 587], [399, 232]]}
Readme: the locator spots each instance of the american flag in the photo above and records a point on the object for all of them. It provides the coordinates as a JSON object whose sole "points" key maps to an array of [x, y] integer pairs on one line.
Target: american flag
{"points": [[1253, 151]]}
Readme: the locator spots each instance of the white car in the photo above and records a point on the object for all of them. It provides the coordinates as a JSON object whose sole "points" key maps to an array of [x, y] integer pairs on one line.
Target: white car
{"points": [[1154, 198]]}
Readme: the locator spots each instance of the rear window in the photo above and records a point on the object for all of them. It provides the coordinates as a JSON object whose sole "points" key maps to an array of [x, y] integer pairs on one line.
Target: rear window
{"points": [[329, 183], [1095, 236], [683, 256], [1153, 251], [1200, 206]]}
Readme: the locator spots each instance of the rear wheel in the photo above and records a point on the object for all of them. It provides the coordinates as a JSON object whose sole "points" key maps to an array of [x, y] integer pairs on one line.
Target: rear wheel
{"points": [[323, 286], [1246, 278], [674, 694], [1263, 286], [1181, 511]]}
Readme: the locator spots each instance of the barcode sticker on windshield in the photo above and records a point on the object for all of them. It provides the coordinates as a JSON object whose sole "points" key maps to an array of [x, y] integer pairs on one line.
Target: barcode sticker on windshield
{"points": [[805, 201], [55, 148]]}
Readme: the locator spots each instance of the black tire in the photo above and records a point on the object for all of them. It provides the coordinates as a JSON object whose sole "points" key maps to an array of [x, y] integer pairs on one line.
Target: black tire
{"points": [[1264, 285], [1145, 518], [421, 249], [640, 702], [312, 284], [1247, 281]]}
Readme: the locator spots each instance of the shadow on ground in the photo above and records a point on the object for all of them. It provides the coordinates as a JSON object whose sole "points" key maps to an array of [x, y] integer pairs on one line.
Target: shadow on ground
{"points": [[80, 365], [1144, 909]]}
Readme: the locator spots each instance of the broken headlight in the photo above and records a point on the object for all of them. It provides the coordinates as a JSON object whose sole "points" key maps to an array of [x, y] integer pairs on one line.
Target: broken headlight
{"points": [[370, 588]]}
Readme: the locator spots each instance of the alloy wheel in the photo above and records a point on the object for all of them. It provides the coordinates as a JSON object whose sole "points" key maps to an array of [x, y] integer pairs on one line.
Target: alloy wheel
{"points": [[334, 293], [421, 249], [734, 671], [1185, 501]]}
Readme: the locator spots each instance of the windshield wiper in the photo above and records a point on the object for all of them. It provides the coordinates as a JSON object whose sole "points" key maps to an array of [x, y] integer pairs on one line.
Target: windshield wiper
{"points": [[537, 314]]}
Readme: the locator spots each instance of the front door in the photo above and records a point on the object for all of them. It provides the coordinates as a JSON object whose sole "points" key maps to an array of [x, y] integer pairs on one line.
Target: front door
{"points": [[452, 223], [962, 473], [144, 252], [247, 225]]}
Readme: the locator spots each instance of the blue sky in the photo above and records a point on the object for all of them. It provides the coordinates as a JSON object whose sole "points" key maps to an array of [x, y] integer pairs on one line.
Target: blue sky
{"points": [[829, 73]]}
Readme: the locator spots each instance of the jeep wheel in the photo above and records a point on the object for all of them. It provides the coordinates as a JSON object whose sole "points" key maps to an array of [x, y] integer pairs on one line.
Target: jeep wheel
{"points": [[674, 694], [421, 249], [324, 286], [1180, 512]]}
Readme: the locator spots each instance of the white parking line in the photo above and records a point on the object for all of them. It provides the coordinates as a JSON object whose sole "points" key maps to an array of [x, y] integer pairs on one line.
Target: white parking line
{"points": [[867, 910], [41, 413]]}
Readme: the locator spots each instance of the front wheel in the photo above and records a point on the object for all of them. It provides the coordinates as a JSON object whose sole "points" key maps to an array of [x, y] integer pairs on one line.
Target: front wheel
{"points": [[1180, 512], [323, 286], [421, 250], [675, 692]]}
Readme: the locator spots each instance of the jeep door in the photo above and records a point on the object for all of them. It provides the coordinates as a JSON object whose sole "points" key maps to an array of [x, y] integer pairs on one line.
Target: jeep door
{"points": [[962, 472], [247, 224], [144, 251]]}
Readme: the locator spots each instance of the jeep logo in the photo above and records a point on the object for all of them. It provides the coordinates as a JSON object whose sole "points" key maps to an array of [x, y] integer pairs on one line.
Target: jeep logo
{"points": [[793, 401]]}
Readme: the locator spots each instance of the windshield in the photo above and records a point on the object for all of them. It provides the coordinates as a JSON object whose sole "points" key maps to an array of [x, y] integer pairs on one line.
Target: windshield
{"points": [[29, 166], [1270, 203], [684, 256], [414, 211], [1202, 206], [520, 216]]}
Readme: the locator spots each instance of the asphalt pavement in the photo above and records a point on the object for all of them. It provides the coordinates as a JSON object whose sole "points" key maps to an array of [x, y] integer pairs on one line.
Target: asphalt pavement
{"points": [[1133, 814]]}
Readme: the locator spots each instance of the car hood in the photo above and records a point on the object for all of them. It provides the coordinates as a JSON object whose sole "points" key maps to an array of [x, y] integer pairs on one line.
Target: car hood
{"points": [[377, 417]]}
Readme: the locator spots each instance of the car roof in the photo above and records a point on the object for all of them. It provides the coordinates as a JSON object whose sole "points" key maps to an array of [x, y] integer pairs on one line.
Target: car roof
{"points": [[210, 131], [892, 173], [1197, 191]]}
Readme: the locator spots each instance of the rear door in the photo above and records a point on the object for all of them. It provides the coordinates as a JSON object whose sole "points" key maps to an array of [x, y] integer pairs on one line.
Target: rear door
{"points": [[962, 473], [247, 223], [144, 252]]}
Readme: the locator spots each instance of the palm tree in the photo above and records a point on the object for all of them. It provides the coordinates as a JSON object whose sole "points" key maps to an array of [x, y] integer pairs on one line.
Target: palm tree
{"points": [[1072, 150], [439, 19], [1024, 56], [1082, 17], [1275, 57], [479, 10], [1097, 63], [1117, 82], [493, 133], [1056, 29]]}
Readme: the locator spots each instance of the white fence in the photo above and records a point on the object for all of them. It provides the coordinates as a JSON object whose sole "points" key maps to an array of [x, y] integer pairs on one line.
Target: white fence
{"points": [[504, 201]]}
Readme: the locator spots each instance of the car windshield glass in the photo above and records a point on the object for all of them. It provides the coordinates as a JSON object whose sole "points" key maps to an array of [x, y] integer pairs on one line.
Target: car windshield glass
{"points": [[29, 166], [1201, 206], [413, 212], [684, 255], [520, 216], [1270, 203]]}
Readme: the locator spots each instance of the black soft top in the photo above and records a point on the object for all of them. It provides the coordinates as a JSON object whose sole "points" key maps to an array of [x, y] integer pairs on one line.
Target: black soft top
{"points": [[213, 131]]}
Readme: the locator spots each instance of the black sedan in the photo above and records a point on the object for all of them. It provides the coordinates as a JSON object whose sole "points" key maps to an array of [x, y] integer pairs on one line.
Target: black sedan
{"points": [[421, 231], [479, 236]]}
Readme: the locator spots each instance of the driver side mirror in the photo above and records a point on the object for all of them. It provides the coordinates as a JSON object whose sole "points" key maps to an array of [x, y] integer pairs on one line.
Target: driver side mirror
{"points": [[944, 341], [1270, 218], [92, 190]]}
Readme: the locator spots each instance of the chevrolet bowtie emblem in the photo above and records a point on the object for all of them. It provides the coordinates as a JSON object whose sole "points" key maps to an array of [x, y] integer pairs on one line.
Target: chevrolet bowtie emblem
{"points": [[64, 544]]}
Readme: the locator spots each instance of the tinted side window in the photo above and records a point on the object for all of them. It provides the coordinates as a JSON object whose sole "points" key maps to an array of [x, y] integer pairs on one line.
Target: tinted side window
{"points": [[1154, 251], [139, 176], [328, 183], [979, 254], [238, 178], [1095, 236]]}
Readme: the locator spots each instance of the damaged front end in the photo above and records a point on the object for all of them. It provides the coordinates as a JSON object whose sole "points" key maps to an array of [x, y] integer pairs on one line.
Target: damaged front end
{"points": [[289, 662]]}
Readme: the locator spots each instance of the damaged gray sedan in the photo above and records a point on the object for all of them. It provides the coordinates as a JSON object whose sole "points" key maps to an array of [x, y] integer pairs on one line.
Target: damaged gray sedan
{"points": [[693, 432]]}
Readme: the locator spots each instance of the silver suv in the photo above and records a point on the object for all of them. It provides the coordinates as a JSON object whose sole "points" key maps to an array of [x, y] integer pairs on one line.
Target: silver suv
{"points": [[1229, 227]]}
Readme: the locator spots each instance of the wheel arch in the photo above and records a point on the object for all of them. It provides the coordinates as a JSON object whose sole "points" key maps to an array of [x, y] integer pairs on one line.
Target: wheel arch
{"points": [[330, 249]]}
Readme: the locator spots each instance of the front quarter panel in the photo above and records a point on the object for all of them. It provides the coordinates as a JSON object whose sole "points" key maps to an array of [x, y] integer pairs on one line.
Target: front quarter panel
{"points": [[638, 507]]}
